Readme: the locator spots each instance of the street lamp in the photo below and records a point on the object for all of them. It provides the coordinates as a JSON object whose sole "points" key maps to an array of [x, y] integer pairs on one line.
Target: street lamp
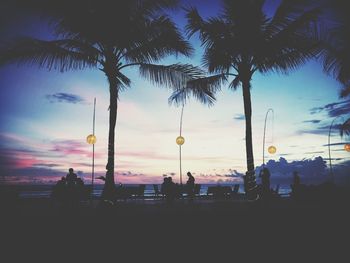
{"points": [[272, 149], [347, 147], [180, 141], [91, 139]]}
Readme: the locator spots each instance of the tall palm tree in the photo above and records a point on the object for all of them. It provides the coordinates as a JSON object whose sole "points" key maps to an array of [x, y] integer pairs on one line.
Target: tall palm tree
{"points": [[243, 40], [111, 36]]}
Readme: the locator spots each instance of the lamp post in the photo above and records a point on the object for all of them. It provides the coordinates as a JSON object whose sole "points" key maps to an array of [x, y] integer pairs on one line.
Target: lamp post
{"points": [[272, 149], [329, 148], [180, 141], [91, 139]]}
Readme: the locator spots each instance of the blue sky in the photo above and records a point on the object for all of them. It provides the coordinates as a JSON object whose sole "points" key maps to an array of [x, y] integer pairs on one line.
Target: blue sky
{"points": [[46, 116]]}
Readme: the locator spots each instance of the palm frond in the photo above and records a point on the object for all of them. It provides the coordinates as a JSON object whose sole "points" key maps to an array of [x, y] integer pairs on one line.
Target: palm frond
{"points": [[49, 54], [171, 76], [335, 55], [124, 80], [195, 23], [203, 89], [345, 128], [235, 83], [160, 38], [151, 7], [345, 92], [286, 13], [302, 25]]}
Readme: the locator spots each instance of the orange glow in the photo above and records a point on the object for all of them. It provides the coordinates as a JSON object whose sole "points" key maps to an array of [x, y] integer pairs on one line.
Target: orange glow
{"points": [[272, 149], [91, 139], [347, 147], [180, 140]]}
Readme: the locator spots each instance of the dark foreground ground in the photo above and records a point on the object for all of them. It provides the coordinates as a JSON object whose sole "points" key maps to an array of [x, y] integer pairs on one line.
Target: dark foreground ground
{"points": [[220, 228]]}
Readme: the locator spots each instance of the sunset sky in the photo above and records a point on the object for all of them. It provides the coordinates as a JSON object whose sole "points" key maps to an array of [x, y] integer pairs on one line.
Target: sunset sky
{"points": [[46, 116]]}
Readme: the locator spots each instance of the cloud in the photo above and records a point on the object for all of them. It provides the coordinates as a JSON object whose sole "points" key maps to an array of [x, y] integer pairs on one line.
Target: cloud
{"points": [[128, 174], [65, 97], [239, 117], [169, 174], [72, 147], [312, 121], [309, 169], [335, 144], [322, 130], [50, 165], [333, 109]]}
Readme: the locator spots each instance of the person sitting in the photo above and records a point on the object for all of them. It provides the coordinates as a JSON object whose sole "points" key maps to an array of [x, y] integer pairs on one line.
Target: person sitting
{"points": [[168, 189], [58, 191], [71, 177]]}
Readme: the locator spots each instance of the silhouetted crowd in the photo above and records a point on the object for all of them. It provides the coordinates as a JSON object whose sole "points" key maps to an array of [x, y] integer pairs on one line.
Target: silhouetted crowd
{"points": [[69, 190], [171, 190]]}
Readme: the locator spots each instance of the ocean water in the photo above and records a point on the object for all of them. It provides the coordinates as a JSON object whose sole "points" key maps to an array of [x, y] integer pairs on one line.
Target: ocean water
{"points": [[44, 191]]}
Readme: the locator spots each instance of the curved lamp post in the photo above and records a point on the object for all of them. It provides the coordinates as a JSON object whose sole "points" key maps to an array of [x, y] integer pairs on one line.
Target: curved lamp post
{"points": [[346, 148], [180, 141], [91, 139], [272, 149]]}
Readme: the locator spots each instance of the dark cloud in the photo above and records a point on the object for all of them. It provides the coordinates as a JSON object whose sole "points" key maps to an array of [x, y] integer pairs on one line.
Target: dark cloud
{"points": [[333, 109], [65, 97], [322, 130], [309, 169], [129, 174], [316, 110], [335, 144], [312, 121], [50, 165], [239, 117]]}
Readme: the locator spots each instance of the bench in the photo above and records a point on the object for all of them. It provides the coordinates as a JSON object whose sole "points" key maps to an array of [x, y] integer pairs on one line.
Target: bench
{"points": [[222, 191], [125, 192]]}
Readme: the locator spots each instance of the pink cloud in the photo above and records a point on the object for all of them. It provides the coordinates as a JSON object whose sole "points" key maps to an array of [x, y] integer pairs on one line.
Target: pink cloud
{"points": [[73, 147]]}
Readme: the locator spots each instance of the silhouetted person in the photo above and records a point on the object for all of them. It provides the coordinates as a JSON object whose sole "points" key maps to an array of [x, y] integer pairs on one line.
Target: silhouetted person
{"points": [[190, 185], [265, 182], [74, 189], [59, 190], [295, 186], [169, 189], [71, 177]]}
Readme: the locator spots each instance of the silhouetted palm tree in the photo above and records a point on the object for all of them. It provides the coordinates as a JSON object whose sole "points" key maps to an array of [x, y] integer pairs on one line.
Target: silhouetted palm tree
{"points": [[336, 42], [112, 36], [243, 40], [336, 48], [345, 128]]}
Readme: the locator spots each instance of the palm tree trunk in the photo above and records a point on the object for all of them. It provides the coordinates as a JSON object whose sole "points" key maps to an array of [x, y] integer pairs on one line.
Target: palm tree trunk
{"points": [[109, 187], [249, 178]]}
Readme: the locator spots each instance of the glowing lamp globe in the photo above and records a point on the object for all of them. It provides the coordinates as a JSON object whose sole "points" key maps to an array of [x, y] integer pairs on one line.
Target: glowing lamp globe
{"points": [[180, 140], [347, 147], [91, 139], [272, 149]]}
